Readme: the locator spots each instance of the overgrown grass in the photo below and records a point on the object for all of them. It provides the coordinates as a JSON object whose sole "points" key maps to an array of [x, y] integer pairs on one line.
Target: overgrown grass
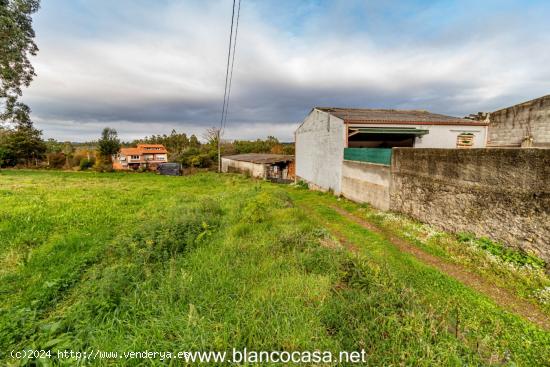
{"points": [[523, 274], [209, 262]]}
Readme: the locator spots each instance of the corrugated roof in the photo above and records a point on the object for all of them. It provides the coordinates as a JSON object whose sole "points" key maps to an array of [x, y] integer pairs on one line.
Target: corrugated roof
{"points": [[381, 116], [261, 158]]}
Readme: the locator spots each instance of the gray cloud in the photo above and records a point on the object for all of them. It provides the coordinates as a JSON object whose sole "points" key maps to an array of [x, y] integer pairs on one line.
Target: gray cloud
{"points": [[165, 69]]}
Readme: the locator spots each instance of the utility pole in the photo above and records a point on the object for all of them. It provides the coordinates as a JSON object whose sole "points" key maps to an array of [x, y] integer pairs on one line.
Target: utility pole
{"points": [[219, 136]]}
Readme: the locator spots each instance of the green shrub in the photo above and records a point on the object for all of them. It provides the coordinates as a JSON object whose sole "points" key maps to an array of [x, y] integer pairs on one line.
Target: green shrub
{"points": [[182, 230], [504, 253], [257, 209], [56, 160], [302, 185], [116, 282], [7, 158], [86, 163]]}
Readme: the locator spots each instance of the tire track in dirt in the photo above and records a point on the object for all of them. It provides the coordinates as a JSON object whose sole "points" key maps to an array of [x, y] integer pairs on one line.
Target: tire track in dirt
{"points": [[500, 296]]}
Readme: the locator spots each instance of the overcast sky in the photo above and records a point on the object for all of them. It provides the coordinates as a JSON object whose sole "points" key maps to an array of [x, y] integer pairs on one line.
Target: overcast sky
{"points": [[149, 66]]}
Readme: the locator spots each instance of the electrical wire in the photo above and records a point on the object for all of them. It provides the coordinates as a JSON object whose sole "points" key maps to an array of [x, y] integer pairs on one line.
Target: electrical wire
{"points": [[227, 67], [232, 66]]}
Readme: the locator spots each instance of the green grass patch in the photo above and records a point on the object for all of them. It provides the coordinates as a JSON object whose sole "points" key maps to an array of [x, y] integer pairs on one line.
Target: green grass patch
{"points": [[523, 274], [127, 262]]}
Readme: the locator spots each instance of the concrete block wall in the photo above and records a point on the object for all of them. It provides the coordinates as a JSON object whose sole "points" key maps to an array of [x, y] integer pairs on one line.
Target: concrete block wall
{"points": [[503, 194], [367, 183], [509, 126]]}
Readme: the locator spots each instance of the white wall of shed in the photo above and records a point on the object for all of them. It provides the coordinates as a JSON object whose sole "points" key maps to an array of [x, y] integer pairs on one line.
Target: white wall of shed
{"points": [[319, 153], [440, 136], [254, 169]]}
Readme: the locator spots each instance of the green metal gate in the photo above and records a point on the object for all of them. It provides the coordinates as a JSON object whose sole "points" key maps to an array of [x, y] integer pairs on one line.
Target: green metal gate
{"points": [[371, 155]]}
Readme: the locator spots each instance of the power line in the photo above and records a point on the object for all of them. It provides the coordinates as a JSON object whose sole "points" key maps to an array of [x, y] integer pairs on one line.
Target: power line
{"points": [[228, 76], [227, 66], [232, 65]]}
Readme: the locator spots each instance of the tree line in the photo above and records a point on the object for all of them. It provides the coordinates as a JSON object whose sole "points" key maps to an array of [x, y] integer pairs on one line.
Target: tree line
{"points": [[23, 146], [190, 152]]}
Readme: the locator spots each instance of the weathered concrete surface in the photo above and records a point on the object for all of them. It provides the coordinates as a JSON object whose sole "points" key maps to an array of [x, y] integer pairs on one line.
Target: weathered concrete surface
{"points": [[367, 183], [254, 170], [503, 194], [320, 150], [525, 124]]}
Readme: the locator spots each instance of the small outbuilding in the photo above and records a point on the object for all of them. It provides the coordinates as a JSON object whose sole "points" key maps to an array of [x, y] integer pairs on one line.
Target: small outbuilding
{"points": [[273, 167]]}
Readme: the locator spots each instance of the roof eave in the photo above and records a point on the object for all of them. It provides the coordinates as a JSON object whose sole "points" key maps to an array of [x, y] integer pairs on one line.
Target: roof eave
{"points": [[396, 122]]}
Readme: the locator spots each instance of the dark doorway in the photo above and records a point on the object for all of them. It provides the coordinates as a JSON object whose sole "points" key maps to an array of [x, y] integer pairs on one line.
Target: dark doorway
{"points": [[380, 140]]}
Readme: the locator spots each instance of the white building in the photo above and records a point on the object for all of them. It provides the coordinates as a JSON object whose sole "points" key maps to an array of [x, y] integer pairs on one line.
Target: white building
{"points": [[330, 136], [274, 167]]}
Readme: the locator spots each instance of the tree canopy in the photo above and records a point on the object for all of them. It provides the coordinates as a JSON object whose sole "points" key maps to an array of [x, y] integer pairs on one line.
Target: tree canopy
{"points": [[23, 144], [20, 141], [109, 143], [16, 46]]}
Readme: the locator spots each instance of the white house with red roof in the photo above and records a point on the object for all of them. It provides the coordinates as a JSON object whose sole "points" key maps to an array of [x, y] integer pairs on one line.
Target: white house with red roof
{"points": [[145, 156]]}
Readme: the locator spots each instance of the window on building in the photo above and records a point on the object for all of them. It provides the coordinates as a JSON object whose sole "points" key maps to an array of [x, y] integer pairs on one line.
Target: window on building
{"points": [[465, 140], [135, 157]]}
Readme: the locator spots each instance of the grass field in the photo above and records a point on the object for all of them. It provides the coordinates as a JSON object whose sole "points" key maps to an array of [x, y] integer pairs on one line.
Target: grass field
{"points": [[133, 262]]}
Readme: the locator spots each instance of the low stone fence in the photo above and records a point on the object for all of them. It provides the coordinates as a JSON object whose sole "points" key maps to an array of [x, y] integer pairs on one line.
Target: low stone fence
{"points": [[503, 194]]}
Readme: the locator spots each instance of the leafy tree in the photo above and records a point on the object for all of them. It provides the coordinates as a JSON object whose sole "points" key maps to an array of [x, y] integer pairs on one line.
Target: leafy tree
{"points": [[16, 46], [6, 155], [53, 146], [24, 143], [194, 142], [270, 145], [86, 163], [21, 142], [67, 148], [289, 149], [108, 145]]}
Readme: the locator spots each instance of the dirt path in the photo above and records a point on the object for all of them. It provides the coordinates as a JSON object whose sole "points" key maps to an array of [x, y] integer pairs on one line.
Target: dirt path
{"points": [[500, 296]]}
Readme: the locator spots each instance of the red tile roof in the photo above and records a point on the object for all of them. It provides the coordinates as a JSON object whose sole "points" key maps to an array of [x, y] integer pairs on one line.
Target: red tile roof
{"points": [[144, 149], [130, 151], [155, 148]]}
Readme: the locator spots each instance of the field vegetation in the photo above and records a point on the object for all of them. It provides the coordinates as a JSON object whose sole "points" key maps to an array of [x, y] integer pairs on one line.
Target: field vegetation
{"points": [[128, 262], [523, 274]]}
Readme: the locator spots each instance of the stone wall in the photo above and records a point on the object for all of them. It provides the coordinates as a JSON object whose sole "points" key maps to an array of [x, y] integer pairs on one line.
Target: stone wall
{"points": [[503, 194], [367, 183], [525, 124]]}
